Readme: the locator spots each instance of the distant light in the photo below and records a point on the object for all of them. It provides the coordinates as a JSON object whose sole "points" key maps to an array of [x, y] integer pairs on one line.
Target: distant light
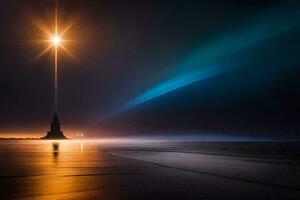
{"points": [[56, 40]]}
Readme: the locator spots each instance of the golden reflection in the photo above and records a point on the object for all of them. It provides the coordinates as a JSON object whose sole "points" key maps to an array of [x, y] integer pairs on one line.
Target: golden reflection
{"points": [[55, 146], [56, 169], [63, 165], [81, 147]]}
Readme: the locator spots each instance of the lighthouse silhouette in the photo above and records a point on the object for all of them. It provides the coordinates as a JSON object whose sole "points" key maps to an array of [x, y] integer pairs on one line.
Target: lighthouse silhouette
{"points": [[55, 132]]}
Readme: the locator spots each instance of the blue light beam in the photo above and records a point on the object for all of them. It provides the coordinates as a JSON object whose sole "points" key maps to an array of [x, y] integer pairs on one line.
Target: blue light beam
{"points": [[204, 62]]}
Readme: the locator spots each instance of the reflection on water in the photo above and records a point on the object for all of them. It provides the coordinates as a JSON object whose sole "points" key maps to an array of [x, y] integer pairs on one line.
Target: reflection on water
{"points": [[50, 167], [55, 146], [84, 170], [55, 149]]}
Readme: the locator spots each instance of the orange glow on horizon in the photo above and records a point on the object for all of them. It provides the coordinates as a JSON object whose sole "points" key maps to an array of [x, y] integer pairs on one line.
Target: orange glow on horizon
{"points": [[68, 132], [19, 135]]}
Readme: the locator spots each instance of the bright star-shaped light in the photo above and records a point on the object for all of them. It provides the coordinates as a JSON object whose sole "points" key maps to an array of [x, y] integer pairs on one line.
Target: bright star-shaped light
{"points": [[55, 40]]}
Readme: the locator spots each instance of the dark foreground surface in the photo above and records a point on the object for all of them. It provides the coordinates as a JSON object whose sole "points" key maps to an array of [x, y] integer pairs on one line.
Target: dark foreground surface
{"points": [[148, 170]]}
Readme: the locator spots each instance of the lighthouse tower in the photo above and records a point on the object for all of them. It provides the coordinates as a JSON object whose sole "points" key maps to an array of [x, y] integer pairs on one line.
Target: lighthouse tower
{"points": [[55, 132]]}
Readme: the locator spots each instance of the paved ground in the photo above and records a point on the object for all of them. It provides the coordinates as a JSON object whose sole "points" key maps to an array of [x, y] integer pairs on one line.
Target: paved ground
{"points": [[75, 170]]}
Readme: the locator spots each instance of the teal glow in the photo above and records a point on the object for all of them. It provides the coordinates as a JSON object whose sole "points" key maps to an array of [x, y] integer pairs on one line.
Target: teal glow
{"points": [[212, 59], [170, 85]]}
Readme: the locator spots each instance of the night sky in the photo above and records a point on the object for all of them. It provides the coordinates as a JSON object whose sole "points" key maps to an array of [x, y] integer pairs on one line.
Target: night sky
{"points": [[154, 67]]}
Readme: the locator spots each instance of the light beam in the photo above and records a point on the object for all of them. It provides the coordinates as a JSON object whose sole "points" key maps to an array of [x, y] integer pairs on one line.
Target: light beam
{"points": [[208, 61], [55, 42]]}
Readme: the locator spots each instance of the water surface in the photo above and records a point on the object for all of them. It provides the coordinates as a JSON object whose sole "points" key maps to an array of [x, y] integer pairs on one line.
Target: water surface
{"points": [[148, 170]]}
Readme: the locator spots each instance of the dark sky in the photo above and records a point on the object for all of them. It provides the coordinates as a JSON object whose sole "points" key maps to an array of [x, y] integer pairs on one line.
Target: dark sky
{"points": [[126, 48]]}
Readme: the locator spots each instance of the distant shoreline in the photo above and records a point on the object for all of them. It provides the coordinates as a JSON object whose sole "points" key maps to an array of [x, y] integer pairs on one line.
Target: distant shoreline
{"points": [[19, 138]]}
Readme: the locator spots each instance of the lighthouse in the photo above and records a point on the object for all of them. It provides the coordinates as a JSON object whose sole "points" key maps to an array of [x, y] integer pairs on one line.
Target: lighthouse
{"points": [[55, 132]]}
